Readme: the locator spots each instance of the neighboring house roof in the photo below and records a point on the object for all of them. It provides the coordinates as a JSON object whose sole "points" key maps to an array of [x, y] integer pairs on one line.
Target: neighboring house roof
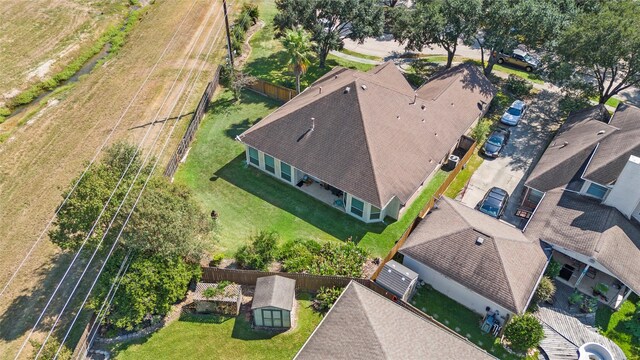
{"points": [[274, 291], [230, 294], [396, 277], [570, 149], [504, 268], [364, 325], [369, 133], [586, 143], [583, 225]]}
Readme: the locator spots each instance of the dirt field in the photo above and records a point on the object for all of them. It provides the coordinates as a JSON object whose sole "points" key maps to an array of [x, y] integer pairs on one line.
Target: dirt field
{"points": [[43, 157], [39, 37]]}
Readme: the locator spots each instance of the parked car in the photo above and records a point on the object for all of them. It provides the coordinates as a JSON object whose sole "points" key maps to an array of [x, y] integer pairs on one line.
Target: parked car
{"points": [[496, 142], [519, 58], [514, 113], [494, 202]]}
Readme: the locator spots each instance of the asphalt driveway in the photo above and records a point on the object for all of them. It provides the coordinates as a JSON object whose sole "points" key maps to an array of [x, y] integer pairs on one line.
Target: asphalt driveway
{"points": [[527, 143]]}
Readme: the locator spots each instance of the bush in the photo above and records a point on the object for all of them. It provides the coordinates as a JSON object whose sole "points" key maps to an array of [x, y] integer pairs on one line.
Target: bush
{"points": [[481, 131], [298, 255], [575, 297], [260, 252], [518, 87], [546, 289], [326, 297], [524, 332], [50, 350], [212, 292], [216, 260], [553, 269]]}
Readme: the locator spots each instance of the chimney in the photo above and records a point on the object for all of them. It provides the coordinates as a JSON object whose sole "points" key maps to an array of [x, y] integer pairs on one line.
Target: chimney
{"points": [[319, 89]]}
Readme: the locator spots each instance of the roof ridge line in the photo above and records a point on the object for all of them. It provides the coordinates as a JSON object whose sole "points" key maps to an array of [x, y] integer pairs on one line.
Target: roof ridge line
{"points": [[366, 314], [369, 153], [504, 272]]}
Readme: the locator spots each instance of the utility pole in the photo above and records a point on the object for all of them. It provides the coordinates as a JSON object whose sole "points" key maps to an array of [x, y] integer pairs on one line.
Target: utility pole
{"points": [[226, 22]]}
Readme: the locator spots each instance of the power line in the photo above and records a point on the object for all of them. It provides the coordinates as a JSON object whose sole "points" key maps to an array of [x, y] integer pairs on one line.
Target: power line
{"points": [[108, 200], [95, 156]]}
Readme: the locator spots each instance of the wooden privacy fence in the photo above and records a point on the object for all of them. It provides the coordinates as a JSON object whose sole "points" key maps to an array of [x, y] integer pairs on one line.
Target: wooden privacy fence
{"points": [[198, 114], [305, 282], [452, 175], [272, 90]]}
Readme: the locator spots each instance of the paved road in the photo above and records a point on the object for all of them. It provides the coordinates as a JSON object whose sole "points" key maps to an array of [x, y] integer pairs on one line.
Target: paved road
{"points": [[526, 145], [386, 48]]}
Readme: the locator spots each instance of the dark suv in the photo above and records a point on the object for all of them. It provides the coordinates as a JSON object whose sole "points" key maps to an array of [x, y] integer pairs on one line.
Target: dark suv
{"points": [[494, 202], [519, 58]]}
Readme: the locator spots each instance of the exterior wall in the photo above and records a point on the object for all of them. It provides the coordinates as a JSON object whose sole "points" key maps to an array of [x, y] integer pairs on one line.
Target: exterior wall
{"points": [[297, 175], [286, 316], [465, 296], [217, 307], [625, 195], [583, 259]]}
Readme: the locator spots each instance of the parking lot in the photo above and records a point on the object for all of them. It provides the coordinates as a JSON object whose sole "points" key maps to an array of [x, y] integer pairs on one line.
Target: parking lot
{"points": [[527, 143]]}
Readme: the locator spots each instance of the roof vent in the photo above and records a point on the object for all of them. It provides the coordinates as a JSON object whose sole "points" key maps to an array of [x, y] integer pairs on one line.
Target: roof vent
{"points": [[564, 144], [601, 132], [389, 271], [423, 107], [319, 89], [422, 120], [364, 87], [347, 89], [335, 76], [479, 240], [403, 279], [398, 117], [436, 134]]}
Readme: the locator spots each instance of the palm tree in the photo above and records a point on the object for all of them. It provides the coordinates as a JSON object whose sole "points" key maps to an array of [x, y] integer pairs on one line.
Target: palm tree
{"points": [[299, 48]]}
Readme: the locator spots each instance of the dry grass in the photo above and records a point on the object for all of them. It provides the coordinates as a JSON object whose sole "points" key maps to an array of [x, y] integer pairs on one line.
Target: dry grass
{"points": [[41, 158], [43, 36]]}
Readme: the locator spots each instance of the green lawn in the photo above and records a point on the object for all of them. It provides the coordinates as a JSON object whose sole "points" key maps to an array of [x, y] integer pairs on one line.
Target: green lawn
{"points": [[200, 337], [458, 318], [248, 200], [268, 61], [464, 175], [613, 101], [364, 56], [614, 326]]}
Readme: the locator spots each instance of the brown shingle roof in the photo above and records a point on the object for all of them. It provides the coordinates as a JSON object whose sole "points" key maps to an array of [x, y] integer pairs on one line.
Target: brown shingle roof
{"points": [[375, 140], [364, 325], [585, 226], [504, 268], [570, 149], [274, 291], [614, 150]]}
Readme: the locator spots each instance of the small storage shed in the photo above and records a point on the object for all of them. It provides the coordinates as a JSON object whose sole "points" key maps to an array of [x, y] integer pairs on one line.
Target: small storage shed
{"points": [[225, 301], [398, 279], [273, 301]]}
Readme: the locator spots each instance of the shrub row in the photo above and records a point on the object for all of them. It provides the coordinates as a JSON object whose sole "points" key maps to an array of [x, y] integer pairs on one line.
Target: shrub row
{"points": [[248, 16]]}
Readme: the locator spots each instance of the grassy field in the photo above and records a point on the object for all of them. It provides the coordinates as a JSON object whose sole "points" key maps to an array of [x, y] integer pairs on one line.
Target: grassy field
{"points": [[216, 337], [458, 184], [248, 200], [614, 326], [267, 59], [360, 55], [42, 157], [45, 35], [460, 319]]}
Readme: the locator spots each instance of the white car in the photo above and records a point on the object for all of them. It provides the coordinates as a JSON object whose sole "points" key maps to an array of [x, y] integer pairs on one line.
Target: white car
{"points": [[514, 113]]}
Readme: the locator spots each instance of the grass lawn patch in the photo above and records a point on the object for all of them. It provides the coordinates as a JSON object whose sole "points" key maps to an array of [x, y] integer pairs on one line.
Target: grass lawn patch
{"points": [[464, 175], [268, 59], [220, 337], [614, 326], [249, 200], [613, 101], [530, 76], [458, 318], [360, 55]]}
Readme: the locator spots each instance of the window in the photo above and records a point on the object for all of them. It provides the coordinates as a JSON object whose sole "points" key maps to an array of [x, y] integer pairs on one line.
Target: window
{"points": [[269, 164], [375, 213], [271, 318], [357, 207], [253, 156], [285, 171], [596, 191]]}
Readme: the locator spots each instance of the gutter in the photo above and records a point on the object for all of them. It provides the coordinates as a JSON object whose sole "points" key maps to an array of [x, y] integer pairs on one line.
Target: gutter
{"points": [[537, 282]]}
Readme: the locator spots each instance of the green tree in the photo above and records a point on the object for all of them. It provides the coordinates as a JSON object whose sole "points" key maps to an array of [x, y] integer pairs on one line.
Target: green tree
{"points": [[524, 332], [504, 24], [331, 21], [437, 22], [150, 286], [604, 46], [298, 45], [50, 351]]}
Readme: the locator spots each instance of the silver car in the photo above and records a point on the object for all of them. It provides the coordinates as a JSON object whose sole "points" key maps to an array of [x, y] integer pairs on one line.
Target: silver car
{"points": [[519, 58], [514, 113]]}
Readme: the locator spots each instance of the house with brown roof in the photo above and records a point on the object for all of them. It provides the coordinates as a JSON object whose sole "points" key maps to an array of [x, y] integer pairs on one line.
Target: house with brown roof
{"points": [[363, 324], [480, 262], [584, 201], [367, 142]]}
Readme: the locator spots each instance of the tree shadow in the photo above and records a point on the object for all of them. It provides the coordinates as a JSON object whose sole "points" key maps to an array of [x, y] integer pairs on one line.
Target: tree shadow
{"points": [[323, 216], [238, 128]]}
